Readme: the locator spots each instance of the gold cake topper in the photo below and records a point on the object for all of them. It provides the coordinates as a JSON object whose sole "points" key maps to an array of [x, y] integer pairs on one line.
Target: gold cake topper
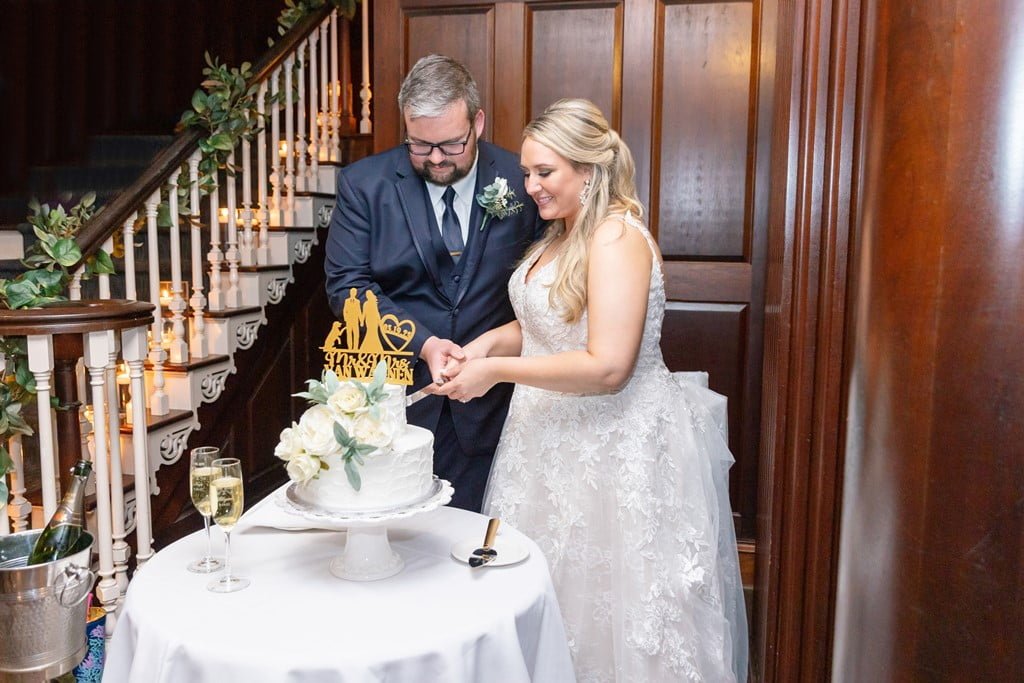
{"points": [[363, 337]]}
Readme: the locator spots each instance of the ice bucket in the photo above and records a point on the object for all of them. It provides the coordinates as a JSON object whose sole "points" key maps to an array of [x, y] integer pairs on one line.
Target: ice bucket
{"points": [[42, 609]]}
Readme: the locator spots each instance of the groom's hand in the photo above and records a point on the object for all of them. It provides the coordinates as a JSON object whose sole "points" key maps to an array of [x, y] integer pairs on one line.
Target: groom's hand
{"points": [[438, 354]]}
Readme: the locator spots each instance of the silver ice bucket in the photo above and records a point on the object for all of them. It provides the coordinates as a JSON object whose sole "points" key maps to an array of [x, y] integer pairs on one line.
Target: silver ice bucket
{"points": [[42, 609]]}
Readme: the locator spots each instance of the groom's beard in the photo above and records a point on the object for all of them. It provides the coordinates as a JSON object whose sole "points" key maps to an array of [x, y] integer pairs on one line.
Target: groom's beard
{"points": [[448, 171], [445, 173]]}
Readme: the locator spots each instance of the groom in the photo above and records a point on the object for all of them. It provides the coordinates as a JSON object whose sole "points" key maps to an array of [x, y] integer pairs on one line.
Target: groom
{"points": [[407, 226]]}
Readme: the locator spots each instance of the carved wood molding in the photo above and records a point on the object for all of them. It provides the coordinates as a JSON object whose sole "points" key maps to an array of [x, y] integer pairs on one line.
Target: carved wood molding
{"points": [[811, 207]]}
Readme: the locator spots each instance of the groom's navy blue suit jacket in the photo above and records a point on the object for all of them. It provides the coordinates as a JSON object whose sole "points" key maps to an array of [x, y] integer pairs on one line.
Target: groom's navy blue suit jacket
{"points": [[384, 237]]}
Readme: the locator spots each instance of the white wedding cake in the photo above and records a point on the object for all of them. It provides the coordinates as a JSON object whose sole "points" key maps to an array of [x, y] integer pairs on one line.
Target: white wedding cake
{"points": [[353, 450]]}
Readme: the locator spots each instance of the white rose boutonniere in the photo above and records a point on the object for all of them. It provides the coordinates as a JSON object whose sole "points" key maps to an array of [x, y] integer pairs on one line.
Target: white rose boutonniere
{"points": [[498, 201]]}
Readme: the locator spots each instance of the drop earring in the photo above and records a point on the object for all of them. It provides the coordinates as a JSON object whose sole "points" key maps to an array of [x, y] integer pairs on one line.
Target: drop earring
{"points": [[585, 192]]}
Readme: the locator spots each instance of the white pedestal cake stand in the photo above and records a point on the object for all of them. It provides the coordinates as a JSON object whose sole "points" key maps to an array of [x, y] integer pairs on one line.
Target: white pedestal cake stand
{"points": [[368, 555]]}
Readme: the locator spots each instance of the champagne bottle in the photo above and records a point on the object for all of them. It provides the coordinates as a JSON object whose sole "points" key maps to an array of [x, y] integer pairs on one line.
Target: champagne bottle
{"points": [[65, 527]]}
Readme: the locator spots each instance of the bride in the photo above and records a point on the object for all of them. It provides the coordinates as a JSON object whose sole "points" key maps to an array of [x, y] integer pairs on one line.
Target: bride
{"points": [[615, 466]]}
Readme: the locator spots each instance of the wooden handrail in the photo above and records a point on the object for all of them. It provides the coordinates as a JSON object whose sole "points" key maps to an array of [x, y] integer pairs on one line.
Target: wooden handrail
{"points": [[76, 317], [113, 215]]}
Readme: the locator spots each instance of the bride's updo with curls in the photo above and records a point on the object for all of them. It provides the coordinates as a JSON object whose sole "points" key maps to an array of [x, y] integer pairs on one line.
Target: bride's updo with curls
{"points": [[576, 130]]}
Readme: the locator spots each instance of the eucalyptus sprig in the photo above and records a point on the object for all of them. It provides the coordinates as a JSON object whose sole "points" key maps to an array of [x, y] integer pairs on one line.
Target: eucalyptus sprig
{"points": [[46, 279], [225, 107], [296, 10]]}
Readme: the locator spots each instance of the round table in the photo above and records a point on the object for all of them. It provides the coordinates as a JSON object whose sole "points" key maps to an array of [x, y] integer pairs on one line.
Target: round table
{"points": [[437, 620]]}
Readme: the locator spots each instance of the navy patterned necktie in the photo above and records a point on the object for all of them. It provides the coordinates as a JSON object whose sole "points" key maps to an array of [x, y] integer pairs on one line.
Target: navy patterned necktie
{"points": [[451, 231]]}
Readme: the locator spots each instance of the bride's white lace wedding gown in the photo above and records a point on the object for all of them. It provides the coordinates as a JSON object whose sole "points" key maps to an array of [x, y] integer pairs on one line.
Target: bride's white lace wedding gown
{"points": [[627, 496]]}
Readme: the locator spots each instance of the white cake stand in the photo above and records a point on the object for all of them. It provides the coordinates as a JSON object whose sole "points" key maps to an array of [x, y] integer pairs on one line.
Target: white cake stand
{"points": [[367, 555]]}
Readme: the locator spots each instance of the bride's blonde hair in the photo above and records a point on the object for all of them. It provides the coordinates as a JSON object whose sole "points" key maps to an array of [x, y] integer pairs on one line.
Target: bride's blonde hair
{"points": [[576, 130]]}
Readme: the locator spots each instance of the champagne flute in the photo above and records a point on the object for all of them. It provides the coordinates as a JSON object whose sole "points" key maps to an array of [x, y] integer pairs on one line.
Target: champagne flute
{"points": [[226, 502], [200, 472]]}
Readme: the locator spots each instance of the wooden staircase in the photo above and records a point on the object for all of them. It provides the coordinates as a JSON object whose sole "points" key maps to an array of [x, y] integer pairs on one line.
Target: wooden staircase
{"points": [[233, 310]]}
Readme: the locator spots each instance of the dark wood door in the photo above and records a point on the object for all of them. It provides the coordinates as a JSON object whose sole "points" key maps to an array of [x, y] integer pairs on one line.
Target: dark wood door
{"points": [[677, 80]]}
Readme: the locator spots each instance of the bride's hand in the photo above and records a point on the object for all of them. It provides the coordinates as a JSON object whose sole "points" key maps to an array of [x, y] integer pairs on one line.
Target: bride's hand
{"points": [[473, 379]]}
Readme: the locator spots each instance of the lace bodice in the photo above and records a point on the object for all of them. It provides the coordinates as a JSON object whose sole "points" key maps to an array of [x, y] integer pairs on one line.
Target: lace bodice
{"points": [[627, 495], [544, 331]]}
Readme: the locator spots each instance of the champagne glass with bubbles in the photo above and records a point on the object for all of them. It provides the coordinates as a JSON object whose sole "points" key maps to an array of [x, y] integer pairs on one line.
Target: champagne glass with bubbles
{"points": [[226, 502], [201, 471]]}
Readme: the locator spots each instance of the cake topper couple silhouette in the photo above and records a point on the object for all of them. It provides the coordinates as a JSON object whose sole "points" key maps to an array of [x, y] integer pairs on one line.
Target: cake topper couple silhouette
{"points": [[363, 337]]}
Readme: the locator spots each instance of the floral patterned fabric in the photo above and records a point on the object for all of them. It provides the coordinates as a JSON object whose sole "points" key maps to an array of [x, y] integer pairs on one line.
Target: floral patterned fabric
{"points": [[627, 495]]}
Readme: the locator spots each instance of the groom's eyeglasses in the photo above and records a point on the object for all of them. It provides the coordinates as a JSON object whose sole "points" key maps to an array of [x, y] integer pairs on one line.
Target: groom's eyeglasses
{"points": [[449, 149]]}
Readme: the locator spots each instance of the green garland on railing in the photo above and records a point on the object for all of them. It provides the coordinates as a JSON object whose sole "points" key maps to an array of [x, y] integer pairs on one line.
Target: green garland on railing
{"points": [[45, 281], [296, 10]]}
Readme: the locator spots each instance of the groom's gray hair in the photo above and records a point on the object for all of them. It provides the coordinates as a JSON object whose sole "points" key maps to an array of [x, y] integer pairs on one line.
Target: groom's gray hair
{"points": [[433, 84]]}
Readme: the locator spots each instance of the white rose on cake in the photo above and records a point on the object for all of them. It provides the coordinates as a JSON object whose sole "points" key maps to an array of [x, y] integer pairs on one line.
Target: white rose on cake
{"points": [[290, 444], [373, 431], [302, 467], [347, 399], [316, 431]]}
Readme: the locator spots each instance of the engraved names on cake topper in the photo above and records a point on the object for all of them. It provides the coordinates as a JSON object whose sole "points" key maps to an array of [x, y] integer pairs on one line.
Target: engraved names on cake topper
{"points": [[363, 337]]}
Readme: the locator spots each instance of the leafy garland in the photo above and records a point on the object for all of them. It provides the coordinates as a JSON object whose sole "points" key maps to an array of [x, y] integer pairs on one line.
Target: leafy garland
{"points": [[45, 282]]}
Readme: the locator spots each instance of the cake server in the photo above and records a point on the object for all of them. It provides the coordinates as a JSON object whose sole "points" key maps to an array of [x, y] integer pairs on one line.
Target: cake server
{"points": [[487, 553]]}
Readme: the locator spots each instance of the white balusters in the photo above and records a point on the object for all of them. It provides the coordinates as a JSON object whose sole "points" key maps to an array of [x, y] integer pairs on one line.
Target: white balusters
{"points": [[314, 119], [215, 257], [246, 249], [231, 297], [277, 172], [263, 249], [119, 547], [159, 403], [335, 108], [178, 350], [300, 136], [97, 352], [327, 146], [40, 362], [128, 233], [197, 337], [288, 218], [365, 126], [19, 510], [133, 350]]}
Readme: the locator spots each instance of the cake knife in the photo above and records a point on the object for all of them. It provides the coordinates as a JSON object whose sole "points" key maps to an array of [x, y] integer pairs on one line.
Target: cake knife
{"points": [[487, 553], [421, 394]]}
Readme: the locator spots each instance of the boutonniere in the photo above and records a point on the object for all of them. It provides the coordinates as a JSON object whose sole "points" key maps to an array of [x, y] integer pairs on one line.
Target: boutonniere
{"points": [[498, 200]]}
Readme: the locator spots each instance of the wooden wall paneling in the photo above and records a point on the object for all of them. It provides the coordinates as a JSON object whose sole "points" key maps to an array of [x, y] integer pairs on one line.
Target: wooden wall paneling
{"points": [[710, 338], [703, 108], [932, 547], [815, 53], [701, 188], [468, 36], [508, 115], [576, 51], [638, 79]]}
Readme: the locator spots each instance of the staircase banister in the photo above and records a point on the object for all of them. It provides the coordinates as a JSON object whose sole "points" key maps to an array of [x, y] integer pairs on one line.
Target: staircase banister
{"points": [[76, 317], [113, 215]]}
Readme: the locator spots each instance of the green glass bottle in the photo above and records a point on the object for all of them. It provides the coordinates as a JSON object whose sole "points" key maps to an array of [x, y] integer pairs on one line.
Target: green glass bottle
{"points": [[65, 527]]}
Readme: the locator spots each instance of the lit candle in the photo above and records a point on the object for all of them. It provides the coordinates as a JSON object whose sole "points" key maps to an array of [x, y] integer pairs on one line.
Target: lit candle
{"points": [[282, 149], [124, 395]]}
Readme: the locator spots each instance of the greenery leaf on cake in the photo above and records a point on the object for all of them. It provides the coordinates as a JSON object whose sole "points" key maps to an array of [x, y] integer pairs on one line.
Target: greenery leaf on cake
{"points": [[375, 389], [320, 391], [351, 452]]}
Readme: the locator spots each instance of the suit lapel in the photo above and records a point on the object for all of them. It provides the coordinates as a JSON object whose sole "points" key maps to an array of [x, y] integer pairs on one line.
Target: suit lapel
{"points": [[409, 187], [477, 242]]}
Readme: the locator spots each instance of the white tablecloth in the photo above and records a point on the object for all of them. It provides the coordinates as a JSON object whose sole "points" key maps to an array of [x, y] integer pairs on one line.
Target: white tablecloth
{"points": [[438, 620]]}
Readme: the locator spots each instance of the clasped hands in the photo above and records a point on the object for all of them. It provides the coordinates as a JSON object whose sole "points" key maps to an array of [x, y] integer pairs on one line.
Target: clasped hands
{"points": [[457, 373]]}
